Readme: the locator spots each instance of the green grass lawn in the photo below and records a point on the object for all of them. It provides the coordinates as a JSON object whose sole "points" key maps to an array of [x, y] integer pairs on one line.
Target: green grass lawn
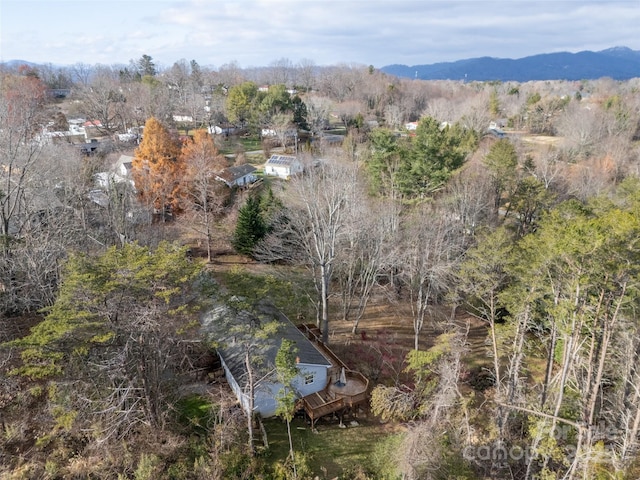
{"points": [[231, 144], [331, 449]]}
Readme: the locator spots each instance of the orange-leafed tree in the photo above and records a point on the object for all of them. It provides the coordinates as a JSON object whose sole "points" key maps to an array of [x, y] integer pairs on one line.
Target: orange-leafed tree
{"points": [[158, 168], [204, 195]]}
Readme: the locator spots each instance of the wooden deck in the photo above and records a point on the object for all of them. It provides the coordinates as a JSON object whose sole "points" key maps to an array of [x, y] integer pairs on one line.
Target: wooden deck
{"points": [[337, 396]]}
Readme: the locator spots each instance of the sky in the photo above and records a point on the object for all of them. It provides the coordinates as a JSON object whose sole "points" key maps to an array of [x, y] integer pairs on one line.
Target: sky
{"points": [[253, 33]]}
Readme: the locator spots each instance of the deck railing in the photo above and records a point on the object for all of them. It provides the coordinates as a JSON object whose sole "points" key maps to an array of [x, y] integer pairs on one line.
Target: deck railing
{"points": [[332, 401]]}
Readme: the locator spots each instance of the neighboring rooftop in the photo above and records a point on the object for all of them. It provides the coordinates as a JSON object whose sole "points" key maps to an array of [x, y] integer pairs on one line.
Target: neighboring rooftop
{"points": [[281, 160], [231, 174]]}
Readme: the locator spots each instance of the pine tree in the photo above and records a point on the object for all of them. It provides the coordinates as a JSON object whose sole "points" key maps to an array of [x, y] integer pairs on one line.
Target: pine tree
{"points": [[502, 164], [299, 113], [118, 321], [250, 228]]}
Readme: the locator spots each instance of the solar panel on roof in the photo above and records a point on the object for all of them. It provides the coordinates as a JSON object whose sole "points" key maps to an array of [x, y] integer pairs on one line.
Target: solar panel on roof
{"points": [[281, 160]]}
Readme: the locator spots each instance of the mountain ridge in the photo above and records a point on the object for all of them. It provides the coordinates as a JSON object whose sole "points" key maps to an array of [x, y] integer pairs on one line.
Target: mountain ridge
{"points": [[618, 63]]}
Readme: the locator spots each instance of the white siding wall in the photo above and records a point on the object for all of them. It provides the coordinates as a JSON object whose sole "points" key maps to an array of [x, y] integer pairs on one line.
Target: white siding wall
{"points": [[277, 171], [320, 379], [266, 394]]}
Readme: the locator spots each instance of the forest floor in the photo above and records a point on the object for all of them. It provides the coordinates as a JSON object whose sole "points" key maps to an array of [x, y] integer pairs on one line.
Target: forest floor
{"points": [[387, 320]]}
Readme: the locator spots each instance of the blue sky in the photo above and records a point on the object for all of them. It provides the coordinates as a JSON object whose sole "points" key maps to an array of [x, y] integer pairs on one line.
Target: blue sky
{"points": [[327, 32]]}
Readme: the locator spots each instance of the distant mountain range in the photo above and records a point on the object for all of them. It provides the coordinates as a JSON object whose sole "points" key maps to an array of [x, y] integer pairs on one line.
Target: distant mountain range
{"points": [[18, 63], [619, 63]]}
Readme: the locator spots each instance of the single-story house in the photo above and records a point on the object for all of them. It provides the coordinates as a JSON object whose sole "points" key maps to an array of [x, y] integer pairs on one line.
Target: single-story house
{"points": [[270, 132], [237, 334], [124, 166], [282, 166], [498, 124], [89, 147], [496, 132], [183, 118], [92, 129], [226, 129], [238, 176], [328, 139], [127, 137]]}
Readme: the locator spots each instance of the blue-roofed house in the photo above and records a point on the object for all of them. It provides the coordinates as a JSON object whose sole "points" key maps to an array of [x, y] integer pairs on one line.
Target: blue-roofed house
{"points": [[283, 166], [233, 331]]}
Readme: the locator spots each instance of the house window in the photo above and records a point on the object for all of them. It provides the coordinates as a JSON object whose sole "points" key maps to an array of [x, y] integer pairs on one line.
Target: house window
{"points": [[309, 378]]}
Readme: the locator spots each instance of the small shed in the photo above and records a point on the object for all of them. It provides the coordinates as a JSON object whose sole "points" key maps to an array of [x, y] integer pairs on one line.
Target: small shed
{"points": [[283, 166], [238, 176], [234, 330]]}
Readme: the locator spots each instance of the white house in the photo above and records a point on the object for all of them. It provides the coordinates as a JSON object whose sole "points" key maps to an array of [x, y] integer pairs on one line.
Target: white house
{"points": [[223, 129], [120, 172], [238, 176], [235, 335], [183, 118], [282, 166], [124, 166]]}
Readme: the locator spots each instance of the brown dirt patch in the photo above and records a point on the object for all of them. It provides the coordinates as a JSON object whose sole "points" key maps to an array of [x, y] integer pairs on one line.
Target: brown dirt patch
{"points": [[385, 333]]}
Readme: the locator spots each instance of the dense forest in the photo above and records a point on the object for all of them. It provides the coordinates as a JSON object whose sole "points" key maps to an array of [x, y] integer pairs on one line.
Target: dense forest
{"points": [[470, 247]]}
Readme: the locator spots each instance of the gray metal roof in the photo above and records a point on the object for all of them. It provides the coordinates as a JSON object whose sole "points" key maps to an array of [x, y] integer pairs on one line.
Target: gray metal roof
{"points": [[231, 174], [233, 331]]}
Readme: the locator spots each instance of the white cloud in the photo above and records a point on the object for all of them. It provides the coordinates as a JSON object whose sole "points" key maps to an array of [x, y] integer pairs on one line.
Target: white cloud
{"points": [[256, 32]]}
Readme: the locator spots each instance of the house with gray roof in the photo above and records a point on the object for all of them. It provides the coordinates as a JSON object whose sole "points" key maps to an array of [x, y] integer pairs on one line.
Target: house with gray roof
{"points": [[238, 335], [238, 176], [124, 165]]}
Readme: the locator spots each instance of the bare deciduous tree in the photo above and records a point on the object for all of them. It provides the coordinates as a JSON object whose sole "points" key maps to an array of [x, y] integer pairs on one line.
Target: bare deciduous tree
{"points": [[432, 247], [316, 206], [21, 119], [368, 247], [582, 128], [318, 110], [305, 74], [105, 101], [205, 196]]}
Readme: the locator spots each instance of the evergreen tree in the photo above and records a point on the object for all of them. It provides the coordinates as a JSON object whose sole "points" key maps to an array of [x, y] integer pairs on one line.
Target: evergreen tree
{"points": [[434, 155], [417, 166], [502, 164], [115, 331], [251, 227], [271, 208], [146, 67], [299, 113], [240, 102]]}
